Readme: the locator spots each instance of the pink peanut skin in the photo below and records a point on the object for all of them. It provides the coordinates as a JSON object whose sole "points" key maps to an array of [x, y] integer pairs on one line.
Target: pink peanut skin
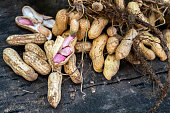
{"points": [[67, 41], [65, 51], [58, 58], [25, 21]]}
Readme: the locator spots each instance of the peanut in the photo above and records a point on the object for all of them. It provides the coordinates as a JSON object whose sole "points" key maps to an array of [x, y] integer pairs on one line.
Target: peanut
{"points": [[120, 4], [166, 34], [112, 44], [54, 88], [36, 49], [16, 40], [74, 26], [40, 65], [96, 52], [124, 47], [111, 66], [83, 47], [71, 69], [12, 59], [61, 22], [83, 28], [97, 27], [111, 31]]}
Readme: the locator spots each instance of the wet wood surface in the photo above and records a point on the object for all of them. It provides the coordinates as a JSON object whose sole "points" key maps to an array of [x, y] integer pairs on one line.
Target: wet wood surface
{"points": [[127, 92]]}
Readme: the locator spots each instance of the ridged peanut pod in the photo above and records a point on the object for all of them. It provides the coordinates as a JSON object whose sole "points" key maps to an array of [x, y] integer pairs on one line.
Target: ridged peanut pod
{"points": [[83, 47], [73, 15], [112, 44], [71, 69], [120, 4], [133, 8], [166, 34], [40, 65], [97, 27], [54, 88], [48, 49], [16, 40], [132, 59], [96, 52], [154, 43], [147, 53], [111, 66], [74, 26], [12, 59], [124, 47], [111, 31], [97, 6], [35, 49], [60, 22], [83, 28]]}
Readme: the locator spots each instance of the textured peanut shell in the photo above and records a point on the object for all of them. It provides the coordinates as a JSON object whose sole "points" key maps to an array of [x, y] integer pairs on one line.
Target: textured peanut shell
{"points": [[97, 27], [133, 8], [83, 28], [154, 43], [72, 44], [54, 88], [111, 66], [147, 53], [16, 40], [60, 22], [30, 28], [111, 31], [83, 47], [112, 44], [74, 26], [71, 69], [73, 15], [48, 49], [96, 52], [40, 65], [12, 59], [36, 49], [125, 45]]}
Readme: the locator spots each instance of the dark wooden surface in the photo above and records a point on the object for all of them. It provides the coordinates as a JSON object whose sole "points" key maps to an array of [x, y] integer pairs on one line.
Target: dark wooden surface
{"points": [[127, 92]]}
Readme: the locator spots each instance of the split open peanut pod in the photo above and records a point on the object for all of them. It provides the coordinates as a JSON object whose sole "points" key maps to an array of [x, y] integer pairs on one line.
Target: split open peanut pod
{"points": [[45, 20], [30, 24], [63, 49]]}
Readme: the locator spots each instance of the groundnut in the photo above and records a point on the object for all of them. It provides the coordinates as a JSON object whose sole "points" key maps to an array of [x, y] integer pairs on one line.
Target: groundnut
{"points": [[124, 47], [40, 65], [112, 44], [97, 27], [71, 69], [111, 31], [96, 52], [13, 60], [83, 47], [74, 26], [83, 28], [36, 49], [111, 66]]}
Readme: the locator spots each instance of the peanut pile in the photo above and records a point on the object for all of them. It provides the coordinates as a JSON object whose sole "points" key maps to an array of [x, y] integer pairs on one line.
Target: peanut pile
{"points": [[74, 34]]}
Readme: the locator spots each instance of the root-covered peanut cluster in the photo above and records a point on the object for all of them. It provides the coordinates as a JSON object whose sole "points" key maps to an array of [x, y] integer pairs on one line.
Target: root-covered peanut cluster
{"points": [[110, 31]]}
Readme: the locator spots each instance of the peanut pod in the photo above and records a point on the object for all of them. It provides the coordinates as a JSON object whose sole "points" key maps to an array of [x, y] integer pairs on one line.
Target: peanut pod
{"points": [[112, 44], [12, 59], [111, 66], [124, 47], [166, 34], [40, 65], [16, 40], [97, 27], [61, 21], [111, 31], [83, 47], [54, 88], [71, 69], [35, 49], [96, 52]]}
